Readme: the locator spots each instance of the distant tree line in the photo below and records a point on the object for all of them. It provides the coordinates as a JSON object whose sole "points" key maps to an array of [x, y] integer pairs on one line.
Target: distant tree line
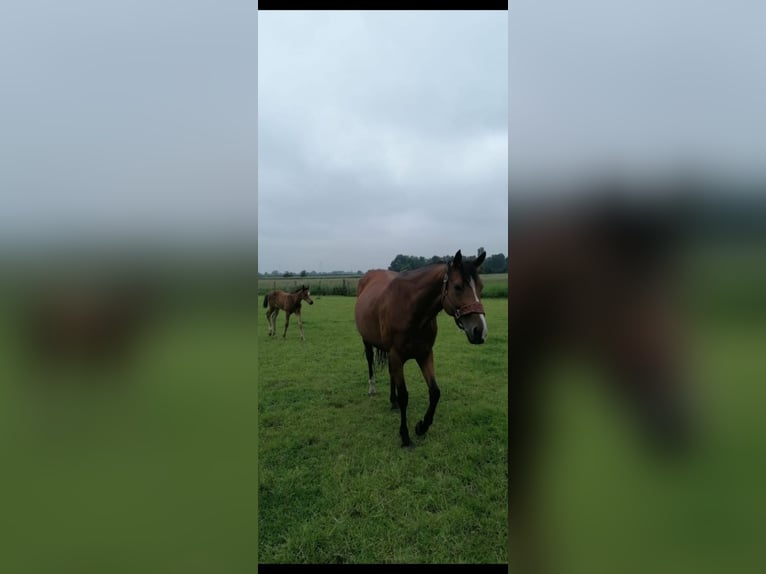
{"points": [[497, 263], [305, 273]]}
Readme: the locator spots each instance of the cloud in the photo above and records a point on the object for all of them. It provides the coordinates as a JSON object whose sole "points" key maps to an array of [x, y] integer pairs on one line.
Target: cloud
{"points": [[381, 133]]}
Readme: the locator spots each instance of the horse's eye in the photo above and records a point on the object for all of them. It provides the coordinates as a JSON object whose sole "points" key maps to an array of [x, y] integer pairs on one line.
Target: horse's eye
{"points": [[459, 288]]}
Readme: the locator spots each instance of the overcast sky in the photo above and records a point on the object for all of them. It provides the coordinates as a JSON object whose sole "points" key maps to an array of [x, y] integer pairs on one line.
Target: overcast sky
{"points": [[133, 119], [642, 86], [380, 133], [374, 133]]}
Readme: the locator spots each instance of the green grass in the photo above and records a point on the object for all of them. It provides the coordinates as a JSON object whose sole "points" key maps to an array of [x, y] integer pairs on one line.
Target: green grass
{"points": [[613, 507], [335, 486], [145, 467], [158, 471]]}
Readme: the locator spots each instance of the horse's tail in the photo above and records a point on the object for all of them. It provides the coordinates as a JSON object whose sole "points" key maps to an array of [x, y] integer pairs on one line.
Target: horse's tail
{"points": [[266, 300], [381, 358]]}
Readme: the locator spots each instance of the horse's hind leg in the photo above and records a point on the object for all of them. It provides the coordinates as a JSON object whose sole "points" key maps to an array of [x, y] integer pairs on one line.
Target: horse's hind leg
{"points": [[368, 352], [427, 367], [273, 322]]}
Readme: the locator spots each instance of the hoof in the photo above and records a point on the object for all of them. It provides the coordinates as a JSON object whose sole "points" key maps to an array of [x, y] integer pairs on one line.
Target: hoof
{"points": [[394, 406], [420, 428], [407, 444]]}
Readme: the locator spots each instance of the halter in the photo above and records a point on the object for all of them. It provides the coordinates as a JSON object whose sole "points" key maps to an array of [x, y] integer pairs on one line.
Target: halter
{"points": [[474, 308]]}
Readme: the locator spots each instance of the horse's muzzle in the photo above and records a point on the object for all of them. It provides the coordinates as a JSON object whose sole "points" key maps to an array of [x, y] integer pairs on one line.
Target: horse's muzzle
{"points": [[475, 328]]}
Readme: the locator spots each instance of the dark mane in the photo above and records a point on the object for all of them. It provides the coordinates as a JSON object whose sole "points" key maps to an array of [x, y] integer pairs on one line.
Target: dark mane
{"points": [[418, 270], [468, 268]]}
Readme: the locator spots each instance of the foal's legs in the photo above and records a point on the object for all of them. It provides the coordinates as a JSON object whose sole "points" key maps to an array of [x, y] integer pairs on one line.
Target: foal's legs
{"points": [[426, 365], [287, 322], [396, 371], [300, 324], [271, 317], [368, 352]]}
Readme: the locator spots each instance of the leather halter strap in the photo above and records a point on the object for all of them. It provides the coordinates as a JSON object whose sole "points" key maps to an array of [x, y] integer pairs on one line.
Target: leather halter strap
{"points": [[474, 308]]}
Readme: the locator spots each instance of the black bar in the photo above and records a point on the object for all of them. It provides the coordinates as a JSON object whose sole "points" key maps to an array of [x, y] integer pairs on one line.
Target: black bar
{"points": [[380, 568], [381, 5]]}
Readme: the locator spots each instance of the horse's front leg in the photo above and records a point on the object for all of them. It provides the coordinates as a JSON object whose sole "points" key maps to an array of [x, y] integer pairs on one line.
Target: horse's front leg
{"points": [[300, 324], [426, 365], [396, 371]]}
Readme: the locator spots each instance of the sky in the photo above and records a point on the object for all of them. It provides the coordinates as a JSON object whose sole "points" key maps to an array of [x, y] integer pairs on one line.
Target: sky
{"points": [[339, 140], [380, 133], [134, 120], [644, 87]]}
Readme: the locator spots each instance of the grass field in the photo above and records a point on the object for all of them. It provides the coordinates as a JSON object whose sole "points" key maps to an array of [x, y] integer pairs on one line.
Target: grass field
{"points": [[611, 506], [158, 470], [334, 484], [145, 467], [495, 285]]}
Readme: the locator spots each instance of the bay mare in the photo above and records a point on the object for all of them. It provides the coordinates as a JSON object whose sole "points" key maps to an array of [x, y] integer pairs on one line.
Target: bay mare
{"points": [[288, 302], [395, 314]]}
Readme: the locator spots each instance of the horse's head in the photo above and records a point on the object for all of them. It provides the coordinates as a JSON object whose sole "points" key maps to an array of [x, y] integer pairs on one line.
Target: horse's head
{"points": [[461, 296], [306, 295]]}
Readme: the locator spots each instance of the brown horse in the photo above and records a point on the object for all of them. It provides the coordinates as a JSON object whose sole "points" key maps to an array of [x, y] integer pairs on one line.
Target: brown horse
{"points": [[598, 278], [396, 315], [92, 325], [290, 303]]}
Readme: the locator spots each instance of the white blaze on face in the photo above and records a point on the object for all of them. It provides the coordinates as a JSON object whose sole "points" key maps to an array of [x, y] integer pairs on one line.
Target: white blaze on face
{"points": [[483, 318]]}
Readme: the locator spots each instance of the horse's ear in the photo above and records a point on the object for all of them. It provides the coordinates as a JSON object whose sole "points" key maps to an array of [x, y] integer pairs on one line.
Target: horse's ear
{"points": [[457, 261], [480, 259]]}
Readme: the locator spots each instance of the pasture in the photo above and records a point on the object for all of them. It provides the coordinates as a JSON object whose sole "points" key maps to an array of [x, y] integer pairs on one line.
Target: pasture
{"points": [[146, 466], [613, 507], [157, 471], [334, 484]]}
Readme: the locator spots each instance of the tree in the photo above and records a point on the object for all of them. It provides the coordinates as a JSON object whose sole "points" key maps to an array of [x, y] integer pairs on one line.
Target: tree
{"points": [[497, 263]]}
